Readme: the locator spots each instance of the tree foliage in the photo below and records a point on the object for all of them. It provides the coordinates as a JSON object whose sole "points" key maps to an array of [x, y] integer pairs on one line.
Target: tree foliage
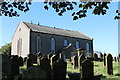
{"points": [[6, 49], [60, 7], [10, 8]]}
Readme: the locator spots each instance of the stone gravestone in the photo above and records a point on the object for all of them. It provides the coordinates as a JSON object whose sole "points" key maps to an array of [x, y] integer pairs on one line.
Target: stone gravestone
{"points": [[25, 60], [62, 56], [115, 59], [118, 59], [109, 64], [95, 57], [87, 72], [59, 70], [29, 62], [6, 66], [45, 64], [75, 62], [104, 59], [54, 58], [34, 73], [20, 61], [50, 55], [15, 65], [101, 57], [80, 60]]}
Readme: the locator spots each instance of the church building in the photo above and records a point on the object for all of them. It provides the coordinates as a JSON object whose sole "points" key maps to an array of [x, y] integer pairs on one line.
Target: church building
{"points": [[32, 38]]}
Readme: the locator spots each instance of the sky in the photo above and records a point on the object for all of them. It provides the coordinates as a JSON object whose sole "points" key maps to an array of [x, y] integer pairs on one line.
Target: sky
{"points": [[104, 29]]}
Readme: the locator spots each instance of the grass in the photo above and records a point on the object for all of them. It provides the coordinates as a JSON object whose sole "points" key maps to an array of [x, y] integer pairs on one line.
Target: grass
{"points": [[99, 68]]}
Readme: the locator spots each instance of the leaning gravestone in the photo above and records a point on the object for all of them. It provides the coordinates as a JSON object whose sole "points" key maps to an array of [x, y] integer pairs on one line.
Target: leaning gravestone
{"points": [[59, 70], [45, 64], [34, 73], [80, 60], [109, 64], [95, 57], [20, 61], [87, 72], [104, 59], [15, 65], [75, 62]]}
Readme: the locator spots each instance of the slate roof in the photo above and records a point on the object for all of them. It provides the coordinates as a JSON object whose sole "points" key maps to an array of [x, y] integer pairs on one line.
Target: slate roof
{"points": [[56, 31]]}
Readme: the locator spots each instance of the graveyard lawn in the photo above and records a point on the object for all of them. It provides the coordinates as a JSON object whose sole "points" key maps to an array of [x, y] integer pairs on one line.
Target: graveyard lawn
{"points": [[98, 69]]}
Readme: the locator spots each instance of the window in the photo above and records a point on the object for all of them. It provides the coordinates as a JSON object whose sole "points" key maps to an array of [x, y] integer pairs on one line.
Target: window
{"points": [[38, 44], [19, 47], [52, 44], [77, 44], [65, 43], [87, 49]]}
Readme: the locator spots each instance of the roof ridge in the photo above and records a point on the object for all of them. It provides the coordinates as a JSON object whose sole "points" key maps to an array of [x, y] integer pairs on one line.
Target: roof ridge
{"points": [[57, 31]]}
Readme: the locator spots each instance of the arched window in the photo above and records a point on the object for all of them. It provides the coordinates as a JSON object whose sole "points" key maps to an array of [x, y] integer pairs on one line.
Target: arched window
{"points": [[77, 44], [38, 44], [65, 43], [19, 47], [87, 49], [52, 44]]}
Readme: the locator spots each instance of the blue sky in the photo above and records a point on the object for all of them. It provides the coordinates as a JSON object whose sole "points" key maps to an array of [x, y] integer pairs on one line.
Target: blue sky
{"points": [[104, 29]]}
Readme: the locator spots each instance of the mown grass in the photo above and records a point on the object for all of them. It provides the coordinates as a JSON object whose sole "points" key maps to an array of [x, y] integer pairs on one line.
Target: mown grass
{"points": [[99, 68]]}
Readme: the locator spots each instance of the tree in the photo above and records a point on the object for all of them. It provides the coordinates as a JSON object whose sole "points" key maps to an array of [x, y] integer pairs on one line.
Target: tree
{"points": [[6, 49], [60, 6]]}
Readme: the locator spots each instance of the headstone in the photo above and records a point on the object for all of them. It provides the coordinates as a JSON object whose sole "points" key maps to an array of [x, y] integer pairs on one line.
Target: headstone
{"points": [[33, 57], [45, 64], [104, 59], [54, 58], [115, 59], [5, 66], [80, 60], [25, 60], [20, 61], [38, 59], [50, 55], [62, 56], [75, 62], [15, 65], [59, 70], [109, 64], [29, 62], [101, 57], [34, 73], [96, 57], [87, 72], [118, 59]]}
